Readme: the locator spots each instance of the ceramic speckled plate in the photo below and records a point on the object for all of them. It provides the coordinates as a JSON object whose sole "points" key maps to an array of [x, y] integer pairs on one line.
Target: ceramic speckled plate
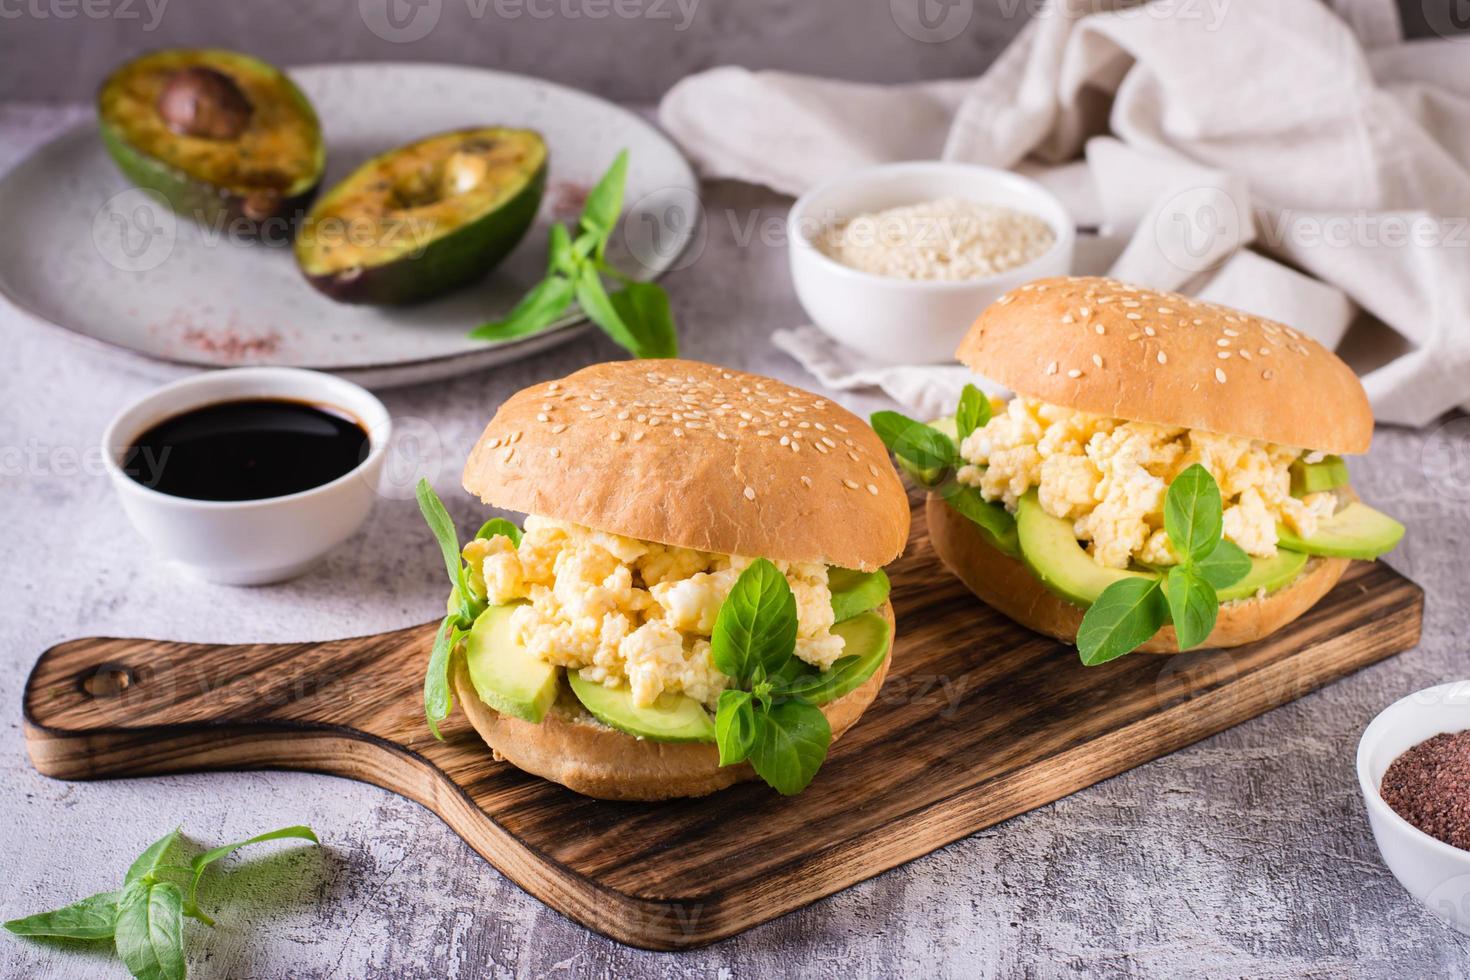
{"points": [[87, 252]]}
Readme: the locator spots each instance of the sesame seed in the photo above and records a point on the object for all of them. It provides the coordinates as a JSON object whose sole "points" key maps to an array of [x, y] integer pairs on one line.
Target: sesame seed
{"points": [[1245, 355], [555, 453], [678, 432], [850, 484], [1100, 329], [638, 436], [1268, 374], [1134, 336], [1085, 312], [1051, 368], [1097, 360], [1165, 310], [1264, 351], [615, 436], [1163, 358], [1222, 354], [1222, 343], [873, 489], [1220, 375], [543, 417], [1134, 316], [1067, 318], [806, 481], [1074, 373], [1230, 333], [508, 454], [749, 493], [1150, 331]]}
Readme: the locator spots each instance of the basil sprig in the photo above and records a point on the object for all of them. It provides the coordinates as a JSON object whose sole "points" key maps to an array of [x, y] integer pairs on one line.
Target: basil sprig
{"points": [[932, 459], [761, 718], [145, 917], [1133, 609], [438, 694], [637, 317]]}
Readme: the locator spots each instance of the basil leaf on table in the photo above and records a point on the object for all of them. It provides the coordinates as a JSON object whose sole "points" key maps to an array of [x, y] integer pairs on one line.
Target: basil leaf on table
{"points": [[499, 525], [90, 918], [735, 726], [973, 413], [644, 310], [201, 863], [537, 310], [1193, 606], [1192, 513], [150, 930], [923, 447], [1126, 614], [791, 741], [1224, 566], [152, 857], [755, 630]]}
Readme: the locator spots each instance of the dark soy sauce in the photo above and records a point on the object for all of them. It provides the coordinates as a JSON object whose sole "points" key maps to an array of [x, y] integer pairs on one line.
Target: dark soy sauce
{"points": [[247, 450]]}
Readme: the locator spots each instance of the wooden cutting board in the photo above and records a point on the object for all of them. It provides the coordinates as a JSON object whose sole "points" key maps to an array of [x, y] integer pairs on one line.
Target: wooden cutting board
{"points": [[979, 720]]}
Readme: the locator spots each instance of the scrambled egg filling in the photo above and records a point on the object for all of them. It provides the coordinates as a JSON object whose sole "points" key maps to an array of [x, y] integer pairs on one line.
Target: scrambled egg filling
{"points": [[622, 610], [1109, 478]]}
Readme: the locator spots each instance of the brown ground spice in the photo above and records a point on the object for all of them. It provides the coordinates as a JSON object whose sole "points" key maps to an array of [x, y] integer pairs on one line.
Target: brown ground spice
{"points": [[1429, 786]]}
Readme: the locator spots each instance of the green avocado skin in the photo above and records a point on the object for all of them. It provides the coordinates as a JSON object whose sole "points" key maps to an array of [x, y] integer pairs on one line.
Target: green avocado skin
{"points": [[209, 204], [452, 260]]}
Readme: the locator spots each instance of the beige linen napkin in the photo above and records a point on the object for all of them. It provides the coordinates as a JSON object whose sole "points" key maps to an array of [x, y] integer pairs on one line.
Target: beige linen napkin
{"points": [[1293, 158]]}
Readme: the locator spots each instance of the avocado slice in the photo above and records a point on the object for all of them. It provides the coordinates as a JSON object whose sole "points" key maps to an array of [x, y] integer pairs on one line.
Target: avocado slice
{"points": [[1329, 473], [1051, 551], [855, 592], [671, 718], [505, 674], [1356, 531], [1266, 573], [424, 218], [866, 638], [227, 139]]}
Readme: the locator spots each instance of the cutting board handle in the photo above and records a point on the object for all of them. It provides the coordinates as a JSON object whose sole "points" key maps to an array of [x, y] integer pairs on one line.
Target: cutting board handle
{"points": [[102, 707]]}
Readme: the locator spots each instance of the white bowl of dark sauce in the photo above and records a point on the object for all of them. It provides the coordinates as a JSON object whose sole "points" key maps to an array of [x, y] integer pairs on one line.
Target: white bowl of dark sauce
{"points": [[250, 475]]}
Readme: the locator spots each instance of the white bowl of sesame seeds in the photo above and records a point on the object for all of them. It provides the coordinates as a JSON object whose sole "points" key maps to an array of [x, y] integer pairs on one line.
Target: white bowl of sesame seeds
{"points": [[897, 260]]}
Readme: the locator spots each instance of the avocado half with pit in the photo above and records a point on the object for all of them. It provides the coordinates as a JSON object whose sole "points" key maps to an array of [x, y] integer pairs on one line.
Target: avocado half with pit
{"points": [[425, 218], [227, 139]]}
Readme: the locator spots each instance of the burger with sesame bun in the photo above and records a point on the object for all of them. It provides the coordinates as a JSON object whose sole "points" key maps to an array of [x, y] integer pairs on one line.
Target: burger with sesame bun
{"points": [[1168, 473], [696, 596]]}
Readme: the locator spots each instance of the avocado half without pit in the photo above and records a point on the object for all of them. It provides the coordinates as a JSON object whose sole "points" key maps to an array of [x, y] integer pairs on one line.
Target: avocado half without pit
{"points": [[224, 137], [425, 218]]}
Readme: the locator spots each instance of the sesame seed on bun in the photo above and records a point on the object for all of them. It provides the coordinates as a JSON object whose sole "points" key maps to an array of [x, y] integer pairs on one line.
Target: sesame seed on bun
{"points": [[1111, 348], [697, 456]]}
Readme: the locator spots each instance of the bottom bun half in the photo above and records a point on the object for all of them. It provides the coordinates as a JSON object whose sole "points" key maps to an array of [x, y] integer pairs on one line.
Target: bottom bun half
{"points": [[572, 748], [1008, 585]]}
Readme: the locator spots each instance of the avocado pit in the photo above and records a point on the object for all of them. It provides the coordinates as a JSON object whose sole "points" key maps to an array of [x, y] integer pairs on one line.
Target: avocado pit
{"points": [[206, 103]]}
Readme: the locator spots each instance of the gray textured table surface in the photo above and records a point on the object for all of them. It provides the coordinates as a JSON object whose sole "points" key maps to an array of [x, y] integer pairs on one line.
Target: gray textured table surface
{"points": [[1247, 854]]}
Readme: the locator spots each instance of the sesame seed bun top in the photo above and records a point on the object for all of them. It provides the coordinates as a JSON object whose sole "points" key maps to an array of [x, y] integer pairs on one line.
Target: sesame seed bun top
{"points": [[1110, 348], [693, 455]]}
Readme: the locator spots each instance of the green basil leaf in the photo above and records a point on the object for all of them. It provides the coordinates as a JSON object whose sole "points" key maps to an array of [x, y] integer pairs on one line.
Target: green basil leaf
{"points": [[203, 861], [973, 413], [791, 740], [438, 695], [91, 918], [442, 526], [994, 519], [1192, 513], [734, 726], [499, 525], [537, 310], [560, 256], [924, 448], [1224, 566], [1193, 606], [1126, 614], [756, 625], [605, 202], [150, 930], [600, 310], [145, 864], [644, 309]]}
